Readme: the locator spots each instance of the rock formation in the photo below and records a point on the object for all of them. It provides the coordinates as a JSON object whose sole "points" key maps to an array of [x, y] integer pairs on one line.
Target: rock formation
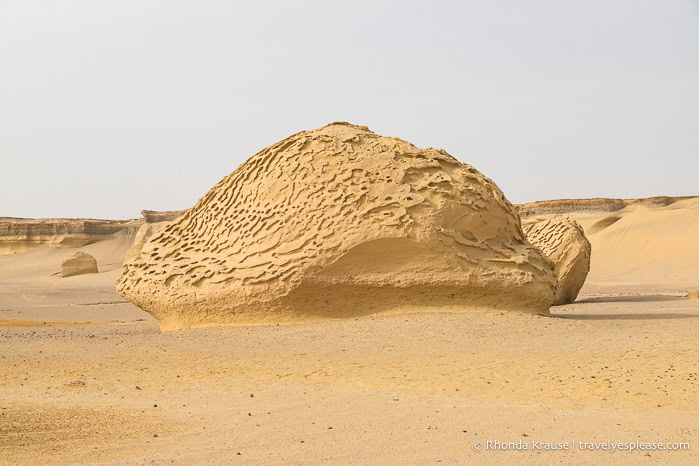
{"points": [[693, 294], [563, 241], [152, 216], [20, 234], [340, 222], [636, 241], [153, 223], [78, 264], [597, 205]]}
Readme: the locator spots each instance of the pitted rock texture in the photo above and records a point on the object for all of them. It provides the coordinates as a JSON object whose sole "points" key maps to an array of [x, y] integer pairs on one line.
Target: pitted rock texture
{"points": [[563, 241], [154, 216], [340, 222], [153, 223], [78, 264]]}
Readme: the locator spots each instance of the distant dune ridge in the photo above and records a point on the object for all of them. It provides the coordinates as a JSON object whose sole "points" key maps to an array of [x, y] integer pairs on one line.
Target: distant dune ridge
{"points": [[22, 234], [563, 241], [579, 206], [339, 222], [653, 241]]}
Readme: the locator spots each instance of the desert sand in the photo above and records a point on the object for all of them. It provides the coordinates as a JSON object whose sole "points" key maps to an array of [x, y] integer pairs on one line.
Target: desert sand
{"points": [[639, 241], [87, 377]]}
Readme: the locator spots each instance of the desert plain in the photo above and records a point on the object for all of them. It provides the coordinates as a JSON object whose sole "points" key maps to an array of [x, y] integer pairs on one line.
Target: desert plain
{"points": [[87, 377]]}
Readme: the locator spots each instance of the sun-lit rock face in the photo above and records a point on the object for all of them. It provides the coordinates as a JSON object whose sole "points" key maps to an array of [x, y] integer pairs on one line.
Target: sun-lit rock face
{"points": [[23, 234], [563, 241], [339, 222], [153, 222], [78, 264]]}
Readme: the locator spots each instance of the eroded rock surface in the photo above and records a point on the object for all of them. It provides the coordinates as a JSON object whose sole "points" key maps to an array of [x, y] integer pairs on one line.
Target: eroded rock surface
{"points": [[563, 241], [596, 205], [153, 223], [78, 264], [153, 216], [22, 234], [340, 222]]}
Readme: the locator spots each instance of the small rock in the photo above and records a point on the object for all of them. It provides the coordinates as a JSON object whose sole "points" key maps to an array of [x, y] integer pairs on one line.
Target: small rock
{"points": [[78, 264]]}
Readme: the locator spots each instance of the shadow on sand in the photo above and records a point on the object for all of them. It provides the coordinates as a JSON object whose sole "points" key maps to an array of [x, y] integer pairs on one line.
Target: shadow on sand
{"points": [[629, 316], [629, 299]]}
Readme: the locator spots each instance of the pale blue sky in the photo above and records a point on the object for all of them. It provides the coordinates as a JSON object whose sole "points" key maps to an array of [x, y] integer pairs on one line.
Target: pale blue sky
{"points": [[110, 107]]}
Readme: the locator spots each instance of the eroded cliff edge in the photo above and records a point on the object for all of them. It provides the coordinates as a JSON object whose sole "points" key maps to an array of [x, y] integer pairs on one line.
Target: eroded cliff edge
{"points": [[22, 234]]}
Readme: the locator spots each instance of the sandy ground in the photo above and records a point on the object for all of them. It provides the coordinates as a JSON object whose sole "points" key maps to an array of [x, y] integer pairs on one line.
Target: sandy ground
{"points": [[86, 377]]}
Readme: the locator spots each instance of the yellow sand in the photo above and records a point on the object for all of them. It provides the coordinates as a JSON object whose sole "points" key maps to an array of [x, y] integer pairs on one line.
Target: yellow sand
{"points": [[642, 243], [620, 364]]}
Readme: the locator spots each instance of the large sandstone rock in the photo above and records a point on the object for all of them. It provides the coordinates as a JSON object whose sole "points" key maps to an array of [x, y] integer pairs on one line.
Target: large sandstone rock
{"points": [[340, 222], [78, 264], [153, 223], [563, 241]]}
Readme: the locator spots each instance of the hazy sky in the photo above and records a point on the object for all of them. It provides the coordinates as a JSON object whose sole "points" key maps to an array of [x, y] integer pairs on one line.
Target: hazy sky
{"points": [[110, 107]]}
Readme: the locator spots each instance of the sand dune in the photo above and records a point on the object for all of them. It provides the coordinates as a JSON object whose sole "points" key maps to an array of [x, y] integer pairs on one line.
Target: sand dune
{"points": [[643, 241], [43, 261]]}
